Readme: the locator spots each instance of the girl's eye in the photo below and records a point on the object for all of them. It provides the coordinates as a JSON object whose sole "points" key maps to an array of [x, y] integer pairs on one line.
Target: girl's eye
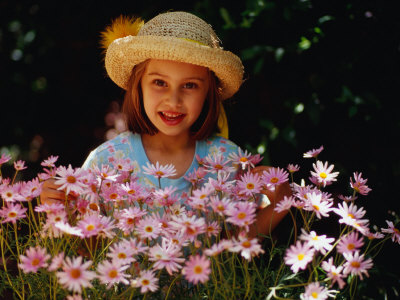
{"points": [[160, 82], [190, 85]]}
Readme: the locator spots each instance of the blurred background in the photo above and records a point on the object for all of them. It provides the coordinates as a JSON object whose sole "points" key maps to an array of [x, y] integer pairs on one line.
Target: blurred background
{"points": [[318, 73]]}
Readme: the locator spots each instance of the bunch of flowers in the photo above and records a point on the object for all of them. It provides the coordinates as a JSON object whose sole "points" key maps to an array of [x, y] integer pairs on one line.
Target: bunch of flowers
{"points": [[114, 237]]}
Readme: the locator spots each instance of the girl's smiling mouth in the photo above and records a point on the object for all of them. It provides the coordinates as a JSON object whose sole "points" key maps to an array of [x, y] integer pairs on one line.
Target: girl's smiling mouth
{"points": [[171, 118]]}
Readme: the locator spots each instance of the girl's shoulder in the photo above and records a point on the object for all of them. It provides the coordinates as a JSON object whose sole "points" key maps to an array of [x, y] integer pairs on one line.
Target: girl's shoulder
{"points": [[117, 147]]}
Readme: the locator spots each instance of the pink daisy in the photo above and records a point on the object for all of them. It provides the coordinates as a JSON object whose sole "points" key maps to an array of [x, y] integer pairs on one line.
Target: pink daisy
{"points": [[57, 262], [197, 269], [4, 158], [249, 184], [334, 273], [147, 281], [111, 273], [197, 176], [49, 162], [68, 229], [75, 274], [71, 180], [217, 248], [299, 255], [216, 163], [248, 248], [159, 171], [293, 168], [395, 232], [356, 264], [90, 225], [352, 216], [36, 257], [313, 152], [315, 203], [221, 206], [213, 228], [315, 291], [243, 159], [359, 184], [148, 227], [31, 189], [347, 198], [285, 204], [11, 193], [121, 253], [242, 214], [191, 226], [129, 217], [168, 255], [165, 196], [323, 173], [12, 212], [350, 243], [19, 165], [274, 176]]}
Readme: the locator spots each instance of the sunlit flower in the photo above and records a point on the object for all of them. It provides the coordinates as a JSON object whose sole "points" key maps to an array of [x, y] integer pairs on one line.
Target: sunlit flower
{"points": [[315, 291], [4, 158], [350, 243], [313, 152], [159, 171], [298, 256], [148, 227], [216, 162], [68, 229], [244, 159], [395, 232], [197, 176], [11, 193], [359, 184], [122, 253], [90, 225], [356, 264], [57, 262], [129, 217], [168, 255], [221, 206], [323, 173], [112, 273], [36, 257], [147, 281], [191, 226], [315, 203], [197, 269], [75, 274], [351, 215], [319, 242], [293, 168]]}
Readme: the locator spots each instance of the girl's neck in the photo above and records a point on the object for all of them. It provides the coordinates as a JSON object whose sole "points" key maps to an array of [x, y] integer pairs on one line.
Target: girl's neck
{"points": [[164, 149]]}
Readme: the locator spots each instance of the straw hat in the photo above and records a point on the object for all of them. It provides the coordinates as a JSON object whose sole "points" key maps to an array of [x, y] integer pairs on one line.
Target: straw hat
{"points": [[178, 36]]}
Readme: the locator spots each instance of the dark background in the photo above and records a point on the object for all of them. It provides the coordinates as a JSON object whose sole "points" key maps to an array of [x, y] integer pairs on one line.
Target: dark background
{"points": [[317, 73]]}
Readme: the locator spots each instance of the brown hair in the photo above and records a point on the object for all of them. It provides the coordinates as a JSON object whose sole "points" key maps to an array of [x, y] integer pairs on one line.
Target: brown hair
{"points": [[138, 122]]}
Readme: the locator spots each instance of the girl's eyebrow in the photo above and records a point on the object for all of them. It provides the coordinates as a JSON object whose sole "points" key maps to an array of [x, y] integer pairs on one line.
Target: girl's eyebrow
{"points": [[188, 78]]}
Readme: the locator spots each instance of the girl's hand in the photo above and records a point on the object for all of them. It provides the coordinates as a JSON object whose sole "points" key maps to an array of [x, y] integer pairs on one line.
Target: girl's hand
{"points": [[50, 193]]}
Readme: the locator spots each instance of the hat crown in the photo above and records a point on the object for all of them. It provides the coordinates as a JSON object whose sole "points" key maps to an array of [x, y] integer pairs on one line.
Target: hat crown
{"points": [[181, 25]]}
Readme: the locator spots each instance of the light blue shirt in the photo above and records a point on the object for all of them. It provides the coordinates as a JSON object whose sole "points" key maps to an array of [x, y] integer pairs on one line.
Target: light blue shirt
{"points": [[129, 145]]}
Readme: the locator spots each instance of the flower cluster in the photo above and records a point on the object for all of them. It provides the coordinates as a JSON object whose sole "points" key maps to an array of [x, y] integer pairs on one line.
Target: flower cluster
{"points": [[115, 235]]}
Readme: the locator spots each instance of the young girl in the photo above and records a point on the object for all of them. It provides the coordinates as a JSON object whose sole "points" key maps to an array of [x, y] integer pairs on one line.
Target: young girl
{"points": [[175, 75]]}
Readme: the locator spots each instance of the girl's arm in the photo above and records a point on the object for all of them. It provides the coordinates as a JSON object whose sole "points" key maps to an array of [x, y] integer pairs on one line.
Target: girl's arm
{"points": [[267, 218]]}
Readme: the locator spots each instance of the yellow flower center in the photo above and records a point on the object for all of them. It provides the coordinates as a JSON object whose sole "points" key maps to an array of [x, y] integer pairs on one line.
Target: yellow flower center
{"points": [[12, 214], [243, 159], [241, 215], [35, 261], [148, 229], [323, 175], [121, 255], [315, 238], [350, 246], [314, 295], [351, 215], [218, 167], [316, 207], [130, 221], [220, 208], [300, 256], [145, 282], [250, 186], [198, 269], [9, 195], [246, 244], [131, 192], [355, 264], [93, 206], [90, 227], [71, 179], [159, 173], [113, 196], [112, 274], [75, 273], [274, 180]]}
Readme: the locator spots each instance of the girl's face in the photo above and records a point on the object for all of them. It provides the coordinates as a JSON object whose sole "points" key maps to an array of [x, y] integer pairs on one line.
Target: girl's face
{"points": [[173, 95]]}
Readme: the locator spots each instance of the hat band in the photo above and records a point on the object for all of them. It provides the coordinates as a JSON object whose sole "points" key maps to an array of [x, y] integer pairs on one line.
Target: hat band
{"points": [[194, 41]]}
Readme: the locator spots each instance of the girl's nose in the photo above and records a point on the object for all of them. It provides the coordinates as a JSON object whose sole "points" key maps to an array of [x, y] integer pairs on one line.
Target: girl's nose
{"points": [[174, 98]]}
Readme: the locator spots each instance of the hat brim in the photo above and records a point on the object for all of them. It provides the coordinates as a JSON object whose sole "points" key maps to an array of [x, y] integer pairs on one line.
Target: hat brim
{"points": [[124, 53]]}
